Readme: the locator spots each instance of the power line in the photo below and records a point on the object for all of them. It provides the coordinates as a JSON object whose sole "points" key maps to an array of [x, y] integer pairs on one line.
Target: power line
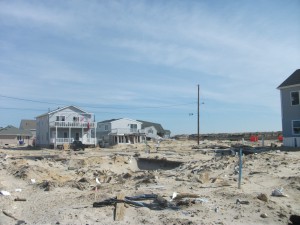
{"points": [[99, 107], [103, 112]]}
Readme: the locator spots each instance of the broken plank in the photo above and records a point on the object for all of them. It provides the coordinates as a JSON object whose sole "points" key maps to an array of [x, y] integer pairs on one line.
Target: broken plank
{"points": [[119, 208]]}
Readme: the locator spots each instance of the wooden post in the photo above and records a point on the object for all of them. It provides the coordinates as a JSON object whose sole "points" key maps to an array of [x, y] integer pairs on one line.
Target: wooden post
{"points": [[119, 208], [198, 114]]}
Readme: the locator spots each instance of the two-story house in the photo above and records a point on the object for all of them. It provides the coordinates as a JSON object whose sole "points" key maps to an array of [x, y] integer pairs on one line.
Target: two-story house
{"points": [[290, 109], [120, 131], [64, 125]]}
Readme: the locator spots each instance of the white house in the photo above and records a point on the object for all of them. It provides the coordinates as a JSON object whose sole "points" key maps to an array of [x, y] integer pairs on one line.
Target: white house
{"points": [[120, 131], [64, 125]]}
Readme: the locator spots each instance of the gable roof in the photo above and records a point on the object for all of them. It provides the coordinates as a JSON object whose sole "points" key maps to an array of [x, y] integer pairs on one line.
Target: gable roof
{"points": [[112, 120], [157, 126], [28, 125], [108, 121], [60, 109], [292, 80], [11, 130]]}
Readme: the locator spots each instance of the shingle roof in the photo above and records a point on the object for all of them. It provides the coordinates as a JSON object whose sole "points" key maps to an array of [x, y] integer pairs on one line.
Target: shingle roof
{"points": [[108, 121], [28, 125], [11, 130], [157, 126], [59, 109], [293, 79]]}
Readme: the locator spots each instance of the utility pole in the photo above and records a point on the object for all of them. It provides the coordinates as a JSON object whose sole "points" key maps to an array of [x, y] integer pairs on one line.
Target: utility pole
{"points": [[198, 114]]}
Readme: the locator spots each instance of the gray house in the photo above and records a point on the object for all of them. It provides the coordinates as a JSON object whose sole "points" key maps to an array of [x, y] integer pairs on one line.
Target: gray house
{"points": [[290, 109], [64, 125], [154, 130], [29, 125], [11, 135]]}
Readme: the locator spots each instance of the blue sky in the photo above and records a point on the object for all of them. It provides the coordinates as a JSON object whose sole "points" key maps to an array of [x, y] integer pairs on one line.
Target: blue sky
{"points": [[144, 59]]}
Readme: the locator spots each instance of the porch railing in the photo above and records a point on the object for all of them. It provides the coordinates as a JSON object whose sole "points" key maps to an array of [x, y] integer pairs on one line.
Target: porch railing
{"points": [[67, 124], [126, 131], [60, 141]]}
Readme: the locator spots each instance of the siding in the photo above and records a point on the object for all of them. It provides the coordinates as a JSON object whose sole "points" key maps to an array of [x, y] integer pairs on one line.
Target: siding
{"points": [[289, 112]]}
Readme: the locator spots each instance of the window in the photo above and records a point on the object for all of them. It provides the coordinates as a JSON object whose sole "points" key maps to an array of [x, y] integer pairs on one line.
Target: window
{"points": [[60, 118], [65, 135], [150, 131], [106, 127], [296, 127], [295, 97], [75, 119], [133, 126]]}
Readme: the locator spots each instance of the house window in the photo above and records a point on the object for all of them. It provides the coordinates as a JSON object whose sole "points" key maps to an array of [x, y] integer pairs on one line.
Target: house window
{"points": [[106, 127], [75, 119], [133, 126], [295, 97], [65, 135], [296, 127], [150, 131], [60, 118]]}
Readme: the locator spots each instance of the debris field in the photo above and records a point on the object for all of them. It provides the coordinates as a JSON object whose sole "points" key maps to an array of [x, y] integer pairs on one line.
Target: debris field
{"points": [[180, 183]]}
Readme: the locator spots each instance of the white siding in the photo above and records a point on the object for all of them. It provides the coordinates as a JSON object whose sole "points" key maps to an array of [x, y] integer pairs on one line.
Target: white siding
{"points": [[125, 123]]}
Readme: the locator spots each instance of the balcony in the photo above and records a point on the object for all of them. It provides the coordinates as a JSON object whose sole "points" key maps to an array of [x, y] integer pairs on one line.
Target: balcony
{"points": [[122, 131], [67, 124]]}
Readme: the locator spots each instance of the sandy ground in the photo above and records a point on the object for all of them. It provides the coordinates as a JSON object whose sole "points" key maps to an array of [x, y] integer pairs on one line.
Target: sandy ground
{"points": [[65, 185]]}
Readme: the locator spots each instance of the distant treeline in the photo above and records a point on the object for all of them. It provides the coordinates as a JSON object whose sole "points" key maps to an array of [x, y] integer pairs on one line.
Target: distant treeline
{"points": [[232, 136]]}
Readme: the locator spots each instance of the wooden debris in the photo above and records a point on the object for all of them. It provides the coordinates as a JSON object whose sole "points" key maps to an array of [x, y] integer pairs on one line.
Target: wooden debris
{"points": [[9, 215], [20, 199], [119, 208]]}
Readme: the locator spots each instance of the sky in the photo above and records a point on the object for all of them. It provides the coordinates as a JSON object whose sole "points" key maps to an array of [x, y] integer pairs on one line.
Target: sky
{"points": [[144, 59]]}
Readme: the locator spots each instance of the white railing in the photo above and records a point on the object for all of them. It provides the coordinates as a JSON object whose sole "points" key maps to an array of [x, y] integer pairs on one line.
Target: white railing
{"points": [[59, 141], [68, 124], [125, 131]]}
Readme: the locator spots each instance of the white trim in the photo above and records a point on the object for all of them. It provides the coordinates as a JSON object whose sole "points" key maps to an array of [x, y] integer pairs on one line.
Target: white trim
{"points": [[290, 86]]}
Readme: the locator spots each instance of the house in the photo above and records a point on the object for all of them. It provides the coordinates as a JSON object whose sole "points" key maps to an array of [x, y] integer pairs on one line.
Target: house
{"points": [[29, 125], [156, 130], [119, 131], [11, 135], [64, 125], [290, 109]]}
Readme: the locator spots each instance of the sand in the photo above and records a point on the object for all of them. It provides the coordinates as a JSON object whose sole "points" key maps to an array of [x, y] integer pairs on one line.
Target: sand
{"points": [[65, 185]]}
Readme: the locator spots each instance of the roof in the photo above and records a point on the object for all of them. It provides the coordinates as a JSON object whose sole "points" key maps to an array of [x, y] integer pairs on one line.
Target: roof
{"points": [[112, 120], [157, 126], [60, 109], [11, 130], [108, 121], [28, 125], [292, 80]]}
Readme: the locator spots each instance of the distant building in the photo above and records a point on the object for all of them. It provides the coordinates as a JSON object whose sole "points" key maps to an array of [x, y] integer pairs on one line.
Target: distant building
{"points": [[11, 135], [156, 130], [119, 131], [64, 125], [290, 109], [29, 125]]}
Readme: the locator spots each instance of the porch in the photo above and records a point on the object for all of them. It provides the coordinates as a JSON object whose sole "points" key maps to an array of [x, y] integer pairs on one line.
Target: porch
{"points": [[61, 141]]}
